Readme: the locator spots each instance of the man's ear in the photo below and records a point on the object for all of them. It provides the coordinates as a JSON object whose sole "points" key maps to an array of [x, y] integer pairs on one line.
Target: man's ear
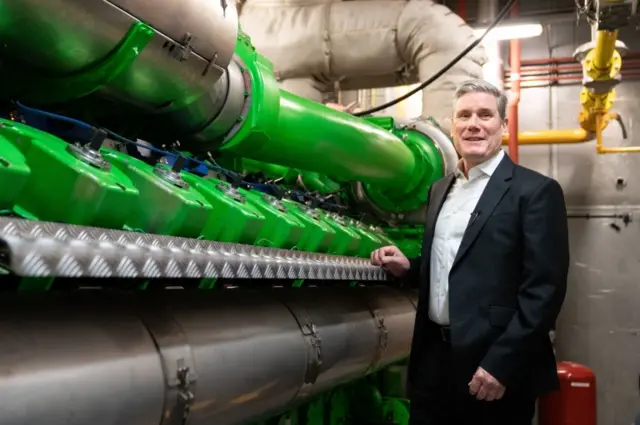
{"points": [[505, 125]]}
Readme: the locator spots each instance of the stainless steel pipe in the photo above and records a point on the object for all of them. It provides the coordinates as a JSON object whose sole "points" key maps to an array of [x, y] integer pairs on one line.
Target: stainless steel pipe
{"points": [[58, 40], [222, 357]]}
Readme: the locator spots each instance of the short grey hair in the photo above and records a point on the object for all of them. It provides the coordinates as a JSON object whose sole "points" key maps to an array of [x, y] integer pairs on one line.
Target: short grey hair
{"points": [[482, 86]]}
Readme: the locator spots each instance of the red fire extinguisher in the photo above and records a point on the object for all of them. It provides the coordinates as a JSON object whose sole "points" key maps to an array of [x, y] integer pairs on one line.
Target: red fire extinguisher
{"points": [[575, 402]]}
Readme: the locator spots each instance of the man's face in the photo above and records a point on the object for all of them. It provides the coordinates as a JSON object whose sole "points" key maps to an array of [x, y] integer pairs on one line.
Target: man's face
{"points": [[477, 127]]}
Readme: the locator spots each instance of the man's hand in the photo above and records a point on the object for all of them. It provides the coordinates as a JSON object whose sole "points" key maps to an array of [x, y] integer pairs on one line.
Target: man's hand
{"points": [[392, 259], [485, 387]]}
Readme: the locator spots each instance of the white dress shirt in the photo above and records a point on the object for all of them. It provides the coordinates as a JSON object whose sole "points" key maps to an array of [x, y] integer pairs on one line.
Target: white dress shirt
{"points": [[451, 224]]}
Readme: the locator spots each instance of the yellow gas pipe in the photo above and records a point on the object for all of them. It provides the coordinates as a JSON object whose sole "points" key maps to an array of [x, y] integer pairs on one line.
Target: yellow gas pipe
{"points": [[551, 137], [600, 122], [602, 65]]}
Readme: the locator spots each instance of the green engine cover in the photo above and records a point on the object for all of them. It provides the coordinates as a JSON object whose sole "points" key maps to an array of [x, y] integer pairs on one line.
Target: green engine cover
{"points": [[282, 228], [318, 236], [164, 208], [233, 218], [62, 187]]}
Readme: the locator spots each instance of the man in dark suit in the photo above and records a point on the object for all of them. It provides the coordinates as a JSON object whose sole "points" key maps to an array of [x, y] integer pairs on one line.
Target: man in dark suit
{"points": [[492, 278]]}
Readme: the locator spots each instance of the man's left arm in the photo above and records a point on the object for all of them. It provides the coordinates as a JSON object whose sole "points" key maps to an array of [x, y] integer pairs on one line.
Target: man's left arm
{"points": [[545, 258]]}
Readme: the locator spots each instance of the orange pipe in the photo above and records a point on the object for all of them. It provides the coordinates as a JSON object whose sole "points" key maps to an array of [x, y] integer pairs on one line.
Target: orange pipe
{"points": [[546, 61], [567, 59], [552, 78], [570, 67], [462, 9], [553, 68], [514, 59]]}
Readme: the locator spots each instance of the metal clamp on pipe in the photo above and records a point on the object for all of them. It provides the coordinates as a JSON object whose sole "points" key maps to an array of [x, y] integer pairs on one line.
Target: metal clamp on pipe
{"points": [[313, 343], [383, 338], [178, 363]]}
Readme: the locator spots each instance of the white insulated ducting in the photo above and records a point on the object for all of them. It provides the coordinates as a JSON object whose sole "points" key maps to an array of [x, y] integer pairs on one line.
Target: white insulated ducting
{"points": [[363, 44]]}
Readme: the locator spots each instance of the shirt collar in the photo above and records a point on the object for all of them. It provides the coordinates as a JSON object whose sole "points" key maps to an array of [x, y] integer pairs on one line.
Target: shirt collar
{"points": [[487, 167]]}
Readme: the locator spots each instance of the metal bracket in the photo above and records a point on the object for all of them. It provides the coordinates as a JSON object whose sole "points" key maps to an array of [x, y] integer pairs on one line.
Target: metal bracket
{"points": [[211, 64], [383, 335], [185, 397], [182, 54]]}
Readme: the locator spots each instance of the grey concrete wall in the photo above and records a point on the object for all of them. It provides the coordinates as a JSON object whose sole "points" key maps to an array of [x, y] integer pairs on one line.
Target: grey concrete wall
{"points": [[600, 323]]}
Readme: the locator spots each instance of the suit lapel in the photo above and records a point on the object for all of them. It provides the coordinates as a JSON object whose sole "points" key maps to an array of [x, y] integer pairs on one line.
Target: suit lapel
{"points": [[438, 196], [497, 186], [439, 193]]}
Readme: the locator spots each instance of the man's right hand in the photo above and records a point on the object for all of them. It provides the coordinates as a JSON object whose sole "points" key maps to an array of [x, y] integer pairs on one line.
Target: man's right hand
{"points": [[391, 259]]}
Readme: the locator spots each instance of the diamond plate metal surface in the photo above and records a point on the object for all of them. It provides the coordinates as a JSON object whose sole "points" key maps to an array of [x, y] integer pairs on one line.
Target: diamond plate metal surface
{"points": [[44, 249]]}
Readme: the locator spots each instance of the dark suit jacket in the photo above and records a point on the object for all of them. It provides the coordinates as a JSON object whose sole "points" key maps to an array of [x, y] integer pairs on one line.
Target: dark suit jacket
{"points": [[507, 283]]}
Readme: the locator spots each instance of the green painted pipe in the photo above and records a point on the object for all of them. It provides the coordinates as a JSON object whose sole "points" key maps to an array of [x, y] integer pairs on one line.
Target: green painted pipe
{"points": [[285, 129], [311, 136]]}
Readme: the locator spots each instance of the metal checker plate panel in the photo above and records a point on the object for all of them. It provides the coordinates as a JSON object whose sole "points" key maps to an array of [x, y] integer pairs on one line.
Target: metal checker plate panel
{"points": [[45, 249]]}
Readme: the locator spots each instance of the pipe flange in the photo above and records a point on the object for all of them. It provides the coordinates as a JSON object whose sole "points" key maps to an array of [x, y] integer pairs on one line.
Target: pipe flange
{"points": [[310, 212], [601, 81], [338, 219], [89, 156], [234, 109], [170, 176], [231, 192], [581, 52], [445, 149], [274, 202]]}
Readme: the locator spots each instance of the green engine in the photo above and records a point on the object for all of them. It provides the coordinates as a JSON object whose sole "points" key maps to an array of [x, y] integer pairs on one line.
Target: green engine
{"points": [[185, 243]]}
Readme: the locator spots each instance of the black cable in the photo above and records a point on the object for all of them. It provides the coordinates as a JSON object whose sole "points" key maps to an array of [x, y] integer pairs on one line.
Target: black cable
{"points": [[447, 67]]}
